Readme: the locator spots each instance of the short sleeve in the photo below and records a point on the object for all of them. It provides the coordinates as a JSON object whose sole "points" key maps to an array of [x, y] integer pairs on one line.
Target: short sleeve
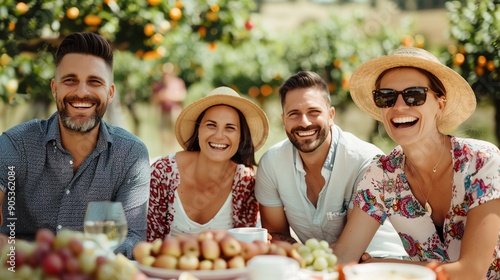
{"points": [[266, 188], [370, 194]]}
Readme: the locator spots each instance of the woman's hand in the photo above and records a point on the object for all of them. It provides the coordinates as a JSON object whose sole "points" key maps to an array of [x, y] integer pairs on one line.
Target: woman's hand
{"points": [[365, 258], [439, 270]]}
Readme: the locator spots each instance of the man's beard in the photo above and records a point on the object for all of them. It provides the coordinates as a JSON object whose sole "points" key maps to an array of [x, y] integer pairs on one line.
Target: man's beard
{"points": [[309, 145], [72, 122]]}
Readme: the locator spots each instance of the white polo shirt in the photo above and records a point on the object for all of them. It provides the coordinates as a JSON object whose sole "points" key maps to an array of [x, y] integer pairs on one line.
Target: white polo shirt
{"points": [[281, 181]]}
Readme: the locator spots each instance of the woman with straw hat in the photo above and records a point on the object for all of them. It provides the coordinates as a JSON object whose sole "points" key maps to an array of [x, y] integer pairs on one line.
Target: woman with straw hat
{"points": [[210, 184], [439, 191]]}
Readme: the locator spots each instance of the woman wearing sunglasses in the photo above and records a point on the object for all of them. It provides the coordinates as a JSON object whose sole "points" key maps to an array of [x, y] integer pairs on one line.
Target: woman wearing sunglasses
{"points": [[440, 192]]}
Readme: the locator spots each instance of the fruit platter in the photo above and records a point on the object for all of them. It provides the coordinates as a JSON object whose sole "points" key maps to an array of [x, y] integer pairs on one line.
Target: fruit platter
{"points": [[216, 254], [69, 255]]}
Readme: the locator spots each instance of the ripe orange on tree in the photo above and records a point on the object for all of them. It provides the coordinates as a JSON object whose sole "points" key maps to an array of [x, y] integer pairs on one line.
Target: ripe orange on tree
{"points": [[22, 7], [149, 29], [72, 13], [154, 2], [92, 20], [175, 13]]}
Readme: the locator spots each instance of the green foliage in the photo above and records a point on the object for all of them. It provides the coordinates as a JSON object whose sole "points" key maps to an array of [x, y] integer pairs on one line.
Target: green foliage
{"points": [[475, 25], [211, 42], [152, 30]]}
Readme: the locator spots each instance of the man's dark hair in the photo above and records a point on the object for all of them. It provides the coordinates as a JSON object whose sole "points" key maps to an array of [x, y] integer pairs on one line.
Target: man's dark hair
{"points": [[85, 43], [304, 79]]}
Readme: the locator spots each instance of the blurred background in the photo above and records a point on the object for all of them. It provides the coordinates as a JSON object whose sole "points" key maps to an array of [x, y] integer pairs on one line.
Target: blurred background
{"points": [[171, 52]]}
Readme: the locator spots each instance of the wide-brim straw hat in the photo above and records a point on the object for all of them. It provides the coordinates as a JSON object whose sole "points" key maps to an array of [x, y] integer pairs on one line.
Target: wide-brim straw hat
{"points": [[460, 98], [256, 118]]}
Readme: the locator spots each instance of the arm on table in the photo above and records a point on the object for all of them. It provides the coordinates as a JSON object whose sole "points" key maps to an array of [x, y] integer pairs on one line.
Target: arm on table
{"points": [[355, 236], [274, 220]]}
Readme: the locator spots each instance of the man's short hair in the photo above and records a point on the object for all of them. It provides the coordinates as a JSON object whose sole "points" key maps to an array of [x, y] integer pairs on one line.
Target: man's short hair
{"points": [[85, 43]]}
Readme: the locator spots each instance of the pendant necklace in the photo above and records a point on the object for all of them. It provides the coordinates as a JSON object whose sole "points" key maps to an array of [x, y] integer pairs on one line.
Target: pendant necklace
{"points": [[427, 206]]}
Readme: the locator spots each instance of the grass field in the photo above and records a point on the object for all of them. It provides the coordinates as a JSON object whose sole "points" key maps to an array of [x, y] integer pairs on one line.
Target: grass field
{"points": [[479, 126]]}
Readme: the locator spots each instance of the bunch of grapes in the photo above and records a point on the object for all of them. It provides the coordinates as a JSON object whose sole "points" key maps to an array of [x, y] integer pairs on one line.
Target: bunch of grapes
{"points": [[65, 257], [318, 255]]}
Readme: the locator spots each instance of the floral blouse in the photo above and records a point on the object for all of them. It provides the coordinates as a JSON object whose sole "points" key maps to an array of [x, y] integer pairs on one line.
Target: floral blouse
{"points": [[384, 193], [165, 179]]}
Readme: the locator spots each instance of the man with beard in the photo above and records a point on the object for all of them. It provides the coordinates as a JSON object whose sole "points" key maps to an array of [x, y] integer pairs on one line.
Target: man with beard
{"points": [[307, 182], [51, 169]]}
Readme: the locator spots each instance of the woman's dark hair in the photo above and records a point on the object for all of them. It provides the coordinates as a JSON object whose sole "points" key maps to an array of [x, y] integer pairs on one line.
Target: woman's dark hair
{"points": [[85, 43], [304, 79], [245, 154], [434, 83]]}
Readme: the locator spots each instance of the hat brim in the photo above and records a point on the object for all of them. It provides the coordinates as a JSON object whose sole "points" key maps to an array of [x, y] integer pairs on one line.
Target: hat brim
{"points": [[256, 118], [460, 98]]}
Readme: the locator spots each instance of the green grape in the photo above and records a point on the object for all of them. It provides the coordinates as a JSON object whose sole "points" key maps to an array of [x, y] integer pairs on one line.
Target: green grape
{"points": [[319, 253], [320, 264], [312, 243], [324, 245], [332, 260], [304, 250]]}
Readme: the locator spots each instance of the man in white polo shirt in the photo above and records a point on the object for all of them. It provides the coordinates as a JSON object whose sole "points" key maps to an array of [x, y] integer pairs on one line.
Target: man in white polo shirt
{"points": [[307, 182]]}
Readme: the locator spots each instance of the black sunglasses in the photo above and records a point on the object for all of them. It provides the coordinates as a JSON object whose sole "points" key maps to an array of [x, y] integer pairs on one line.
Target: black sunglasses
{"points": [[413, 96]]}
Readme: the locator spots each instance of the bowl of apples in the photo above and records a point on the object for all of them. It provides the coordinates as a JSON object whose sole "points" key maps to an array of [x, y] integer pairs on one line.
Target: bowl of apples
{"points": [[211, 254]]}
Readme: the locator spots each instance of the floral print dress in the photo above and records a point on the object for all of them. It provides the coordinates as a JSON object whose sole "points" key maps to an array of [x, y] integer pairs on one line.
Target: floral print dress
{"points": [[384, 193], [165, 179]]}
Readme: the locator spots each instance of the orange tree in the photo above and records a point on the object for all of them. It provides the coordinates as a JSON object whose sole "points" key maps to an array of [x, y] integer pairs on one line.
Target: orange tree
{"points": [[475, 26], [144, 34], [332, 47]]}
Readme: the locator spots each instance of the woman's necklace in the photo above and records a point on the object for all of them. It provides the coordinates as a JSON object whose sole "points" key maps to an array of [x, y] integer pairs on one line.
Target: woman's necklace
{"points": [[427, 206]]}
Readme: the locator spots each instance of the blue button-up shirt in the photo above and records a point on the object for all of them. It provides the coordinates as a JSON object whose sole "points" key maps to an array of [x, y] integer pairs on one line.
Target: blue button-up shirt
{"points": [[37, 178]]}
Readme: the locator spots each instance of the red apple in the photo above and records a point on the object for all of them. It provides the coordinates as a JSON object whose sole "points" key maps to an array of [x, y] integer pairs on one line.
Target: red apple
{"points": [[219, 234], [171, 246], [275, 249], [236, 262], [210, 249], [206, 265], [142, 250], [220, 264], [147, 261], [156, 246], [205, 235], [166, 261], [249, 250], [283, 244], [262, 245], [230, 246], [188, 262], [190, 246]]}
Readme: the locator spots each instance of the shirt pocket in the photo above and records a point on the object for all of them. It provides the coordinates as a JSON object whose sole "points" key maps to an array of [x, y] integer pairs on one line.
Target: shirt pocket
{"points": [[334, 224]]}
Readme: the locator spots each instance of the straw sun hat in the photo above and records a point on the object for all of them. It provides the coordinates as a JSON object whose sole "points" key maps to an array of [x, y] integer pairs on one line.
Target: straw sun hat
{"points": [[460, 98], [254, 115]]}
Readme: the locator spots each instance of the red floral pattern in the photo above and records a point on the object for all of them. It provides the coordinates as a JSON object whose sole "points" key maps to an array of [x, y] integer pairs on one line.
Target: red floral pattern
{"points": [[165, 179]]}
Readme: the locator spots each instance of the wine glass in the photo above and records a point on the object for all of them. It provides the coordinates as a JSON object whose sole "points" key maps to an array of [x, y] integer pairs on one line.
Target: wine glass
{"points": [[105, 220]]}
